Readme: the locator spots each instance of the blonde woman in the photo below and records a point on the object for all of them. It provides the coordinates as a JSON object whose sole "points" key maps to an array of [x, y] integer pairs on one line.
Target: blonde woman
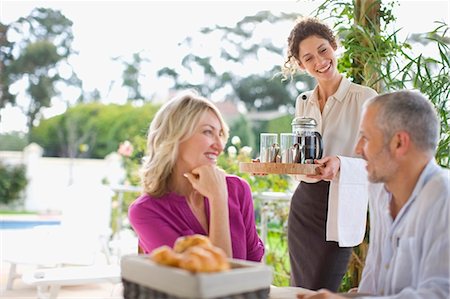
{"points": [[185, 192]]}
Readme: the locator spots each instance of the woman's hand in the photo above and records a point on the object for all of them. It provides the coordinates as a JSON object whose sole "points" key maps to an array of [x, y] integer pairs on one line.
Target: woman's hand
{"points": [[329, 168], [321, 294], [209, 181]]}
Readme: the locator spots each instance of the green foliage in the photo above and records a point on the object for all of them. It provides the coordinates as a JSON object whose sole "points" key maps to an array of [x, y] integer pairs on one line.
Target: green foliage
{"points": [[429, 75], [276, 243], [6, 58], [280, 125], [365, 33], [277, 258], [46, 135], [260, 92], [243, 129], [9, 212], [101, 127], [14, 141], [45, 44], [39, 54], [133, 163], [12, 182], [131, 75]]}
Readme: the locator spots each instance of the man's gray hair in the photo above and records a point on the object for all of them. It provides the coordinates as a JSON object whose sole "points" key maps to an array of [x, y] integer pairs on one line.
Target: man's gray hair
{"points": [[408, 111]]}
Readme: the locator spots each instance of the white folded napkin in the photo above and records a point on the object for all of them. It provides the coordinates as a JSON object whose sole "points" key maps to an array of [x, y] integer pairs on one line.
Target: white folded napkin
{"points": [[347, 203]]}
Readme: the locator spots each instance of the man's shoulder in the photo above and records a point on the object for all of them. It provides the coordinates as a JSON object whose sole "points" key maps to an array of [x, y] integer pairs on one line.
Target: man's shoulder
{"points": [[432, 202], [439, 184], [443, 176]]}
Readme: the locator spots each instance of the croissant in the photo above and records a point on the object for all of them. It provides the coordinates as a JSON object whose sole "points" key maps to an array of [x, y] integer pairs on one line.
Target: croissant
{"points": [[201, 259], [194, 253], [164, 255], [185, 242]]}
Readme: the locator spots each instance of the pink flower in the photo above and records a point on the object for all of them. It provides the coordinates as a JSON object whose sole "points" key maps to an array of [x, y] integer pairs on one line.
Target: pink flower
{"points": [[125, 149]]}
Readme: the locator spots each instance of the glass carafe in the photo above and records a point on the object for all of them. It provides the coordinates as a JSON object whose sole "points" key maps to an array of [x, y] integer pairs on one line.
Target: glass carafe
{"points": [[308, 139]]}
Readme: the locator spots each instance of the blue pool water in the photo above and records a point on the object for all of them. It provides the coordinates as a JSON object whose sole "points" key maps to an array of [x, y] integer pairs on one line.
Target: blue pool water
{"points": [[23, 224]]}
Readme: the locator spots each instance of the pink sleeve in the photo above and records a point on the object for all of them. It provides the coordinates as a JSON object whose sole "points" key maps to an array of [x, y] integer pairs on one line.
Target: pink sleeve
{"points": [[151, 228], [255, 247]]}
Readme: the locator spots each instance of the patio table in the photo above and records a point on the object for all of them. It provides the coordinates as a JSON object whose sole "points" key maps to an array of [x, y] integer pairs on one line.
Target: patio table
{"points": [[287, 292]]}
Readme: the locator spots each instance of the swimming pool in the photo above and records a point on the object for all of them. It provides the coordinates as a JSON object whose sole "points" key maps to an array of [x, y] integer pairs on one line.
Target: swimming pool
{"points": [[23, 224]]}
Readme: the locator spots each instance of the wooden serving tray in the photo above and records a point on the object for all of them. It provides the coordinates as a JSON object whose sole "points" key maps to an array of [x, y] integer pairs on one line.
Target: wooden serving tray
{"points": [[278, 168]]}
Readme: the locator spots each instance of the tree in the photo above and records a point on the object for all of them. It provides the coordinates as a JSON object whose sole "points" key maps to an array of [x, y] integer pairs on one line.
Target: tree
{"points": [[131, 75], [239, 43], [34, 59], [13, 180], [242, 128], [92, 130], [6, 59], [262, 92], [14, 141]]}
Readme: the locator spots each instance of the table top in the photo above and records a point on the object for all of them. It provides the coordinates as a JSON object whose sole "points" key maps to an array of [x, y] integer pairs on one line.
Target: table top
{"points": [[287, 292]]}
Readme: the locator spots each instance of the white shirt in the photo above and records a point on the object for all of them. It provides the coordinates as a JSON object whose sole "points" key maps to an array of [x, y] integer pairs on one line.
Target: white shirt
{"points": [[408, 257], [339, 126]]}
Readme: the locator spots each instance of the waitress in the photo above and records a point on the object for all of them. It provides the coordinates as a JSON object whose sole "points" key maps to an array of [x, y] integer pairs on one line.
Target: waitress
{"points": [[328, 211]]}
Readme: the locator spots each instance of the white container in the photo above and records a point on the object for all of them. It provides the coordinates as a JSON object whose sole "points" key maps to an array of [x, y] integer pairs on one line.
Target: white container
{"points": [[244, 277]]}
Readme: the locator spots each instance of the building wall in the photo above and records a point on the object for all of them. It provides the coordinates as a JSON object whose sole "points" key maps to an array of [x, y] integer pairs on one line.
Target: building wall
{"points": [[49, 178]]}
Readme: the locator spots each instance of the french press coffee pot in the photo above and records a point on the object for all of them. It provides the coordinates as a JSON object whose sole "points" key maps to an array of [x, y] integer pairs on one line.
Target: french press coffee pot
{"points": [[310, 145]]}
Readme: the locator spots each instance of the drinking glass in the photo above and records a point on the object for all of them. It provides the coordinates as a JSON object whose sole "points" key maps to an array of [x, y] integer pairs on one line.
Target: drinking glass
{"points": [[288, 148], [268, 147]]}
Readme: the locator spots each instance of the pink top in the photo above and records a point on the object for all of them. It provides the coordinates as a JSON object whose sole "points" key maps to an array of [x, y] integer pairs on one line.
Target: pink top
{"points": [[160, 221]]}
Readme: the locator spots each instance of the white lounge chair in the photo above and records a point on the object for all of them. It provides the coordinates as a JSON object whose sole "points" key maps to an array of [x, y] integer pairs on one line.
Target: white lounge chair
{"points": [[79, 240], [49, 281]]}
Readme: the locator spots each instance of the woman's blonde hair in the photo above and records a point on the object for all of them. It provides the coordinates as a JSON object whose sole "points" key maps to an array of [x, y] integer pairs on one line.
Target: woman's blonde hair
{"points": [[174, 123]]}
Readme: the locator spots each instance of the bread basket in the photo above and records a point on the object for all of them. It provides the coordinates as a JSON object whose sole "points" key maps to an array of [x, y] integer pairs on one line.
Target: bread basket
{"points": [[144, 279]]}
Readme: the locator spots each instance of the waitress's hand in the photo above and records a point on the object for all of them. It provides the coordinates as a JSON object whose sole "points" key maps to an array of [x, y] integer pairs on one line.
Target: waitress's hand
{"points": [[330, 166], [209, 181]]}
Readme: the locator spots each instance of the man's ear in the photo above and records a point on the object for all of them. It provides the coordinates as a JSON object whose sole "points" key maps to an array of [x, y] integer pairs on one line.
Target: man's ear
{"points": [[401, 143]]}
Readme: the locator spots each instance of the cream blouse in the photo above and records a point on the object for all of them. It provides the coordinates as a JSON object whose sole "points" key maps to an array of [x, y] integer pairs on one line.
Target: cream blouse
{"points": [[339, 126]]}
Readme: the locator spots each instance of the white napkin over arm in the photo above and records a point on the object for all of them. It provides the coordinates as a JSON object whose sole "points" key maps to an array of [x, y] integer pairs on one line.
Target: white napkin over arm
{"points": [[347, 203]]}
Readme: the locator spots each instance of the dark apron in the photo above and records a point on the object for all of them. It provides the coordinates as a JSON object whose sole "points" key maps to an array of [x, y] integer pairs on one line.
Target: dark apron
{"points": [[315, 262]]}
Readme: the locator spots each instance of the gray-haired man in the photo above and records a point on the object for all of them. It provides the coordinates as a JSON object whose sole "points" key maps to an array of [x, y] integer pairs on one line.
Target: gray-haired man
{"points": [[409, 212]]}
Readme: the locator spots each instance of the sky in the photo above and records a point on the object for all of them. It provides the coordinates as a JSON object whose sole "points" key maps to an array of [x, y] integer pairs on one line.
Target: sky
{"points": [[106, 29]]}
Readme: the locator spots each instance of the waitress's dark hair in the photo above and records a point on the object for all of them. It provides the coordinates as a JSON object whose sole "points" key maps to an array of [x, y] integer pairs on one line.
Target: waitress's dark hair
{"points": [[304, 28]]}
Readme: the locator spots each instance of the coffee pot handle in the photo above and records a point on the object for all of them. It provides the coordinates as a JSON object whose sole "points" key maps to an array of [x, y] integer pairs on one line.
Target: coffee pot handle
{"points": [[319, 140], [298, 153]]}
